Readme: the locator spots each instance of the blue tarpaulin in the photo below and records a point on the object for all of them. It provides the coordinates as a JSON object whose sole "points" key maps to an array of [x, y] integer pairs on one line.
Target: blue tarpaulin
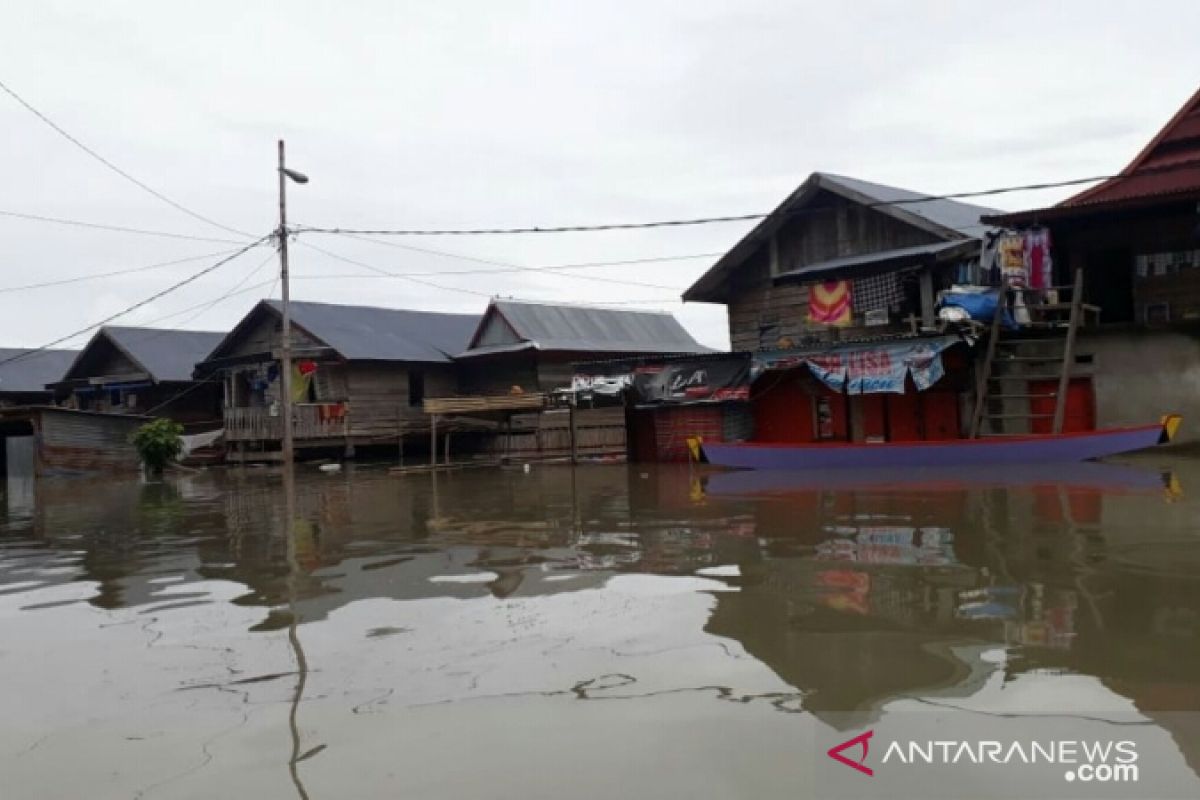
{"points": [[980, 306]]}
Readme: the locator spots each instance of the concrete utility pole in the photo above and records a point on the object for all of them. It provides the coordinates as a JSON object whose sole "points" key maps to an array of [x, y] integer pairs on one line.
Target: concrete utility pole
{"points": [[285, 347]]}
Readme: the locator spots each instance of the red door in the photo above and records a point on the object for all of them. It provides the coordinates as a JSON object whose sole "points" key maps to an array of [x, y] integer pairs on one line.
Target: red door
{"points": [[1081, 406]]}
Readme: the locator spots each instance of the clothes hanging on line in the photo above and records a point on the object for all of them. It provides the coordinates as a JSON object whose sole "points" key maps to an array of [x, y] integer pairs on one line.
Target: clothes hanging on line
{"points": [[1011, 256], [1037, 258], [877, 292], [989, 259]]}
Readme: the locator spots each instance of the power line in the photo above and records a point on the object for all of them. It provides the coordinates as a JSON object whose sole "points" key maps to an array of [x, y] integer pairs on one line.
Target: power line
{"points": [[148, 189], [114, 273], [116, 228], [506, 267], [203, 307], [509, 267], [671, 223], [402, 276], [179, 284], [380, 272]]}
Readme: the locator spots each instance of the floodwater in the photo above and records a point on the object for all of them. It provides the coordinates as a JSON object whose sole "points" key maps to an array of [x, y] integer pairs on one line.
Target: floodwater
{"points": [[599, 632]]}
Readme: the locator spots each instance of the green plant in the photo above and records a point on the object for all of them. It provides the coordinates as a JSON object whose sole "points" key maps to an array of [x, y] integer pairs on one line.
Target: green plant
{"points": [[158, 444]]}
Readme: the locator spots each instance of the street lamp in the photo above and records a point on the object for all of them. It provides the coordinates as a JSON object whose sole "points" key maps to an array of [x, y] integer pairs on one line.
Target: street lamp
{"points": [[285, 348]]}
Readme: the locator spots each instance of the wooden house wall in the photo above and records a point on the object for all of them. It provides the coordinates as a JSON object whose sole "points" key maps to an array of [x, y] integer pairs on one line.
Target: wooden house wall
{"points": [[265, 335], [496, 331], [378, 394], [1105, 247], [761, 314], [498, 374]]}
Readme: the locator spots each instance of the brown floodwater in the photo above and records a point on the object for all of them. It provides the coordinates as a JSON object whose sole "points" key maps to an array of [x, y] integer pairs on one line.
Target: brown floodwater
{"points": [[598, 632]]}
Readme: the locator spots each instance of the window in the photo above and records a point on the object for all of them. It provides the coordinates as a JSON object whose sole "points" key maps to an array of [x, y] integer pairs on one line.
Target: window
{"points": [[416, 387]]}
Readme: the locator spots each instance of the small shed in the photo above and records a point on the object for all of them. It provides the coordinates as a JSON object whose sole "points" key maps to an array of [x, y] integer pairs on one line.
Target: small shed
{"points": [[533, 346], [45, 440], [25, 373], [125, 370]]}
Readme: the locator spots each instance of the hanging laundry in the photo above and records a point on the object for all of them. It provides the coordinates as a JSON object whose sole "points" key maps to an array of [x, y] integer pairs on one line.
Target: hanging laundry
{"points": [[829, 303], [878, 292], [301, 381], [989, 258], [1037, 258], [1011, 256]]}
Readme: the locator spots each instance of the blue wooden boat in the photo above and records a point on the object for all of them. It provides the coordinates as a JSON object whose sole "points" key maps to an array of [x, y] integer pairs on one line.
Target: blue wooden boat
{"points": [[983, 452]]}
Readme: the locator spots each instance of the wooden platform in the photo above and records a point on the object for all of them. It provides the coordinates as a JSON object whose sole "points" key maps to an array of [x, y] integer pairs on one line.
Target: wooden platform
{"points": [[477, 404]]}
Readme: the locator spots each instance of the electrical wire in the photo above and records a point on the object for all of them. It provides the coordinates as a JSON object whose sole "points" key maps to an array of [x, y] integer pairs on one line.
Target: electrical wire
{"points": [[148, 189], [510, 267], [506, 267], [671, 223], [204, 307], [117, 228], [162, 293], [400, 275], [114, 273]]}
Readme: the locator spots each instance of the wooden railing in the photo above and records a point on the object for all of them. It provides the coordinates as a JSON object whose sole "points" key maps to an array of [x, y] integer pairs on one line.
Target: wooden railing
{"points": [[258, 424]]}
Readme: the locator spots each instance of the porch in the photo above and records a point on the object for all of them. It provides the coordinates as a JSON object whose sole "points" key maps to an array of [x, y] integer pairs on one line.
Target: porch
{"points": [[310, 422]]}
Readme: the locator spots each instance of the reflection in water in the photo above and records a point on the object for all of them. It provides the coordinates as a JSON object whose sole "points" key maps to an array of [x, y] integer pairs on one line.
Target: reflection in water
{"points": [[291, 531], [477, 603]]}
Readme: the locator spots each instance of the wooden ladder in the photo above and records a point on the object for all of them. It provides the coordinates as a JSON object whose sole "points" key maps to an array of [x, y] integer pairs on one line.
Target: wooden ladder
{"points": [[1076, 309]]}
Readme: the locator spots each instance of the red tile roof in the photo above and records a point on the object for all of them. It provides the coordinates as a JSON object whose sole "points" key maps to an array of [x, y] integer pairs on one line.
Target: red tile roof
{"points": [[1169, 164], [1167, 168]]}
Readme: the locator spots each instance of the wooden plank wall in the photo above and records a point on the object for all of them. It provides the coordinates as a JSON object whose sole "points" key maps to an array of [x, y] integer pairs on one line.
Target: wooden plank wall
{"points": [[762, 314], [265, 335], [599, 432], [498, 374], [378, 396]]}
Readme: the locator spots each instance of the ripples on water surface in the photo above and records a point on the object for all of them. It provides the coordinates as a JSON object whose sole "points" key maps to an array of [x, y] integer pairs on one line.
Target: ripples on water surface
{"points": [[599, 632]]}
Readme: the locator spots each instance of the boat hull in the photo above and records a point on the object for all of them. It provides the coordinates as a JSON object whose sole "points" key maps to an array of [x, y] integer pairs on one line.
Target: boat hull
{"points": [[1035, 449]]}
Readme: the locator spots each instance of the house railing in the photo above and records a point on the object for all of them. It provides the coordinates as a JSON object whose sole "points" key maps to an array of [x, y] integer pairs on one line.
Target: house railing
{"points": [[309, 421]]}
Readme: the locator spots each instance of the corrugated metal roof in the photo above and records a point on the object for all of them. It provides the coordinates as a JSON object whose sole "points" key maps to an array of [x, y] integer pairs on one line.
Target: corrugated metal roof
{"points": [[946, 219], [33, 372], [576, 328], [384, 334], [884, 260], [952, 214], [168, 355]]}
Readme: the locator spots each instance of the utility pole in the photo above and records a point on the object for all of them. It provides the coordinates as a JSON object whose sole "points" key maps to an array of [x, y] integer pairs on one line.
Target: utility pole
{"points": [[285, 347]]}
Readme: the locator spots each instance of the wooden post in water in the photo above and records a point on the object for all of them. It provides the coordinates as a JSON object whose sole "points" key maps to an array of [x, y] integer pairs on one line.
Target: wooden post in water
{"points": [[433, 440], [400, 433], [574, 432], [446, 460]]}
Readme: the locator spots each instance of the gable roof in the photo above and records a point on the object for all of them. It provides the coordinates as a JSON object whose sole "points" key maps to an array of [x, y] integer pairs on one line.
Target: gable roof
{"points": [[577, 328], [368, 333], [32, 369], [165, 354], [384, 334], [949, 220], [1167, 168], [1169, 163]]}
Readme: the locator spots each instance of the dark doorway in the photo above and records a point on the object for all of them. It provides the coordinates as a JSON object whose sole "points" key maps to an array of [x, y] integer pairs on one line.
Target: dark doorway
{"points": [[1108, 283], [416, 387]]}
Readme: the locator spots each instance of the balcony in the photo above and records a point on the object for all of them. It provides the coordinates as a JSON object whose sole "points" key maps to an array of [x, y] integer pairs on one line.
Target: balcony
{"points": [[310, 421]]}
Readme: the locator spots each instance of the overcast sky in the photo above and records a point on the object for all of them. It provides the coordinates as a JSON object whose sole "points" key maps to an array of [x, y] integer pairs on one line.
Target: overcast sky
{"points": [[468, 114]]}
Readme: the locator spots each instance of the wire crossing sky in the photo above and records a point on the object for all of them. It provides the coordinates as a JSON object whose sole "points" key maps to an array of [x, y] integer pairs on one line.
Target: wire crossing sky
{"points": [[478, 116]]}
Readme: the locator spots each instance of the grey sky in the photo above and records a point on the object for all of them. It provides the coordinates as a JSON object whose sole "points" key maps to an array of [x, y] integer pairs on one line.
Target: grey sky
{"points": [[458, 114]]}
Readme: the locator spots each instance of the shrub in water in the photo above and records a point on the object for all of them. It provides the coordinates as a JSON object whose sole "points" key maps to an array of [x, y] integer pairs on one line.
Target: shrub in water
{"points": [[158, 444]]}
